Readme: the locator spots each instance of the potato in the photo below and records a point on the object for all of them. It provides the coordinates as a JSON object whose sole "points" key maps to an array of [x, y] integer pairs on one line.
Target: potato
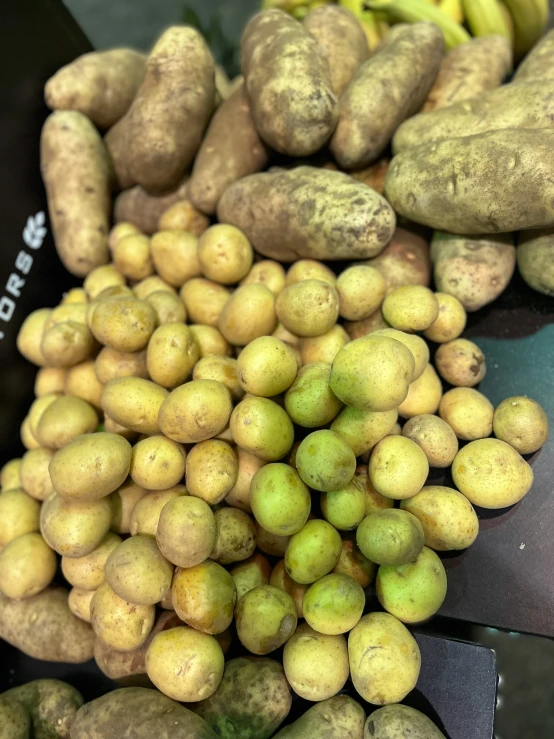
{"points": [[336, 718], [74, 528], [100, 279], [120, 624], [75, 170], [312, 552], [395, 721], [522, 423], [27, 566], [79, 603], [87, 573], [261, 427], [280, 579], [398, 467], [124, 325], [334, 604], [248, 313], [468, 412], [43, 627], [266, 367], [345, 508], [210, 340], [410, 308], [361, 291], [81, 382], [424, 395], [204, 597], [284, 219], [144, 516], [354, 564], [461, 363], [101, 85], [281, 61], [265, 619], [26, 435], [29, 337], [235, 536], [221, 369], [224, 254], [325, 462], [134, 403], [34, 475], [51, 705], [435, 437], [157, 463], [271, 543], [38, 406], [111, 363], [65, 419], [120, 231], [204, 300], [374, 175], [90, 466], [491, 474], [266, 699], [248, 465], [183, 216], [15, 722], [308, 308], [280, 500], [363, 429], [49, 380], [310, 269], [19, 514], [470, 69], [450, 322], [171, 355], [143, 209], [404, 261], [175, 256], [325, 347], [269, 273], [186, 532], [169, 308], [390, 537], [369, 114], [416, 345], [309, 401], [67, 344], [208, 408], [132, 257], [76, 312], [250, 573], [137, 572], [420, 188], [534, 259], [123, 500], [372, 373], [10, 475]]}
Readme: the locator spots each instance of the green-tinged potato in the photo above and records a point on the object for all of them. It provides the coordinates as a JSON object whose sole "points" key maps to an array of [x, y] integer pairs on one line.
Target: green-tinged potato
{"points": [[73, 527], [417, 346], [468, 70], [410, 308], [145, 513], [143, 209], [251, 573], [34, 475], [468, 412], [335, 718], [325, 462], [204, 597], [271, 543], [169, 308], [334, 604], [175, 256], [124, 499], [224, 254], [262, 427], [29, 337], [369, 113], [67, 344], [134, 403], [424, 395], [186, 531], [420, 188], [204, 300], [265, 619], [281, 579], [100, 279], [361, 291], [231, 149], [15, 722], [210, 340], [50, 704], [372, 373], [312, 552], [450, 322], [384, 659], [310, 269], [65, 419], [211, 470], [248, 314], [534, 260], [157, 463], [309, 401], [235, 536], [398, 468], [195, 411], [27, 566], [91, 466], [183, 216], [284, 219], [87, 573], [491, 474], [252, 700], [308, 308], [461, 363], [344, 509], [10, 475], [150, 285], [521, 422], [374, 501], [75, 169], [363, 429], [221, 369], [447, 517], [323, 348], [173, 648], [390, 537], [132, 257], [522, 106], [415, 591], [43, 627], [111, 363], [393, 722], [50, 380], [342, 38], [279, 499], [120, 624], [137, 572], [19, 514], [316, 664], [269, 273], [81, 382], [125, 325], [266, 367], [434, 436], [282, 62], [79, 603], [354, 564]]}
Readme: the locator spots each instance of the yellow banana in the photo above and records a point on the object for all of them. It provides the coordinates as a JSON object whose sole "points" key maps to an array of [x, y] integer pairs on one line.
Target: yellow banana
{"points": [[453, 9], [286, 5], [368, 21], [413, 11], [530, 20], [300, 12], [509, 22], [484, 18]]}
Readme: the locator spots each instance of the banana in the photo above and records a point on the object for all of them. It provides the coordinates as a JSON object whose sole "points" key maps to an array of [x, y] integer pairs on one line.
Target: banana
{"points": [[368, 21], [530, 20], [485, 18], [453, 9], [509, 22], [413, 11]]}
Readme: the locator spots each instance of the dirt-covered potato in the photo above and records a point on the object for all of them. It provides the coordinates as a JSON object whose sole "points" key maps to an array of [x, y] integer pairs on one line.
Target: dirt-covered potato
{"points": [[143, 209], [29, 337], [134, 403], [461, 363], [87, 573], [19, 514], [186, 532], [204, 597], [404, 261], [284, 219], [50, 704], [10, 475], [235, 536], [208, 407], [396, 721], [265, 619], [424, 395], [335, 718], [74, 528], [369, 114], [34, 475], [534, 260], [468, 412], [538, 62], [120, 624], [43, 627], [15, 722], [75, 170], [27, 566], [434, 436], [262, 427], [124, 325], [521, 422]]}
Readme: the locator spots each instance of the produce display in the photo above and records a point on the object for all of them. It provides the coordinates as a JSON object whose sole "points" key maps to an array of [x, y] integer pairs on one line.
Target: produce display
{"points": [[237, 413]]}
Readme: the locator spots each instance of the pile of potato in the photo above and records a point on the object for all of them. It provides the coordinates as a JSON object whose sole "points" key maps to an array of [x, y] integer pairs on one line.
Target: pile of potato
{"points": [[235, 421]]}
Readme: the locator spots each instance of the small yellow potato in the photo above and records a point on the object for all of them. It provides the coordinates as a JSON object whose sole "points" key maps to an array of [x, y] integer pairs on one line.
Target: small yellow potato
{"points": [[323, 348], [100, 278], [398, 468], [204, 597], [29, 338], [124, 499], [120, 231], [435, 437], [491, 473], [125, 325], [424, 395], [250, 573], [35, 475], [146, 512], [195, 411], [417, 346], [112, 427], [183, 216], [132, 257], [66, 344], [19, 514], [157, 463], [204, 300], [186, 531], [334, 604], [235, 536], [37, 408], [411, 308], [75, 295], [390, 537], [10, 475], [281, 579], [150, 285], [271, 543], [354, 564], [363, 429], [111, 363], [171, 355], [268, 273], [211, 470], [81, 382], [27, 566], [26, 435], [308, 308], [65, 419], [309, 269], [76, 312], [285, 335], [247, 466], [248, 313], [522, 423], [461, 363], [79, 603], [175, 256], [134, 403], [267, 367], [137, 571], [225, 254], [450, 322], [262, 427], [468, 412], [265, 619], [122, 625], [87, 573], [50, 380], [74, 528], [210, 340], [169, 308], [220, 369], [361, 291]]}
